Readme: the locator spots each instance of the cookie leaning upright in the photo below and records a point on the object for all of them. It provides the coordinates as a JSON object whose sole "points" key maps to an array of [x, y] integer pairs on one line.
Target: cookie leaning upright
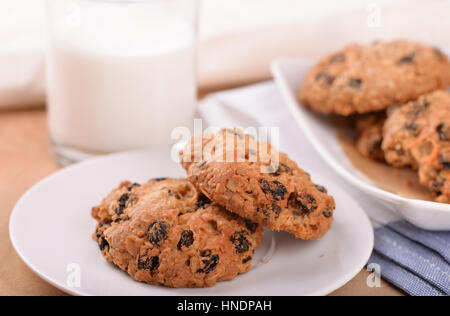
{"points": [[417, 135], [278, 195], [370, 138], [165, 232], [362, 79]]}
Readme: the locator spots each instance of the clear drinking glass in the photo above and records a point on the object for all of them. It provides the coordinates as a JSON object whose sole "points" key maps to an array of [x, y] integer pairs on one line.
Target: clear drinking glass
{"points": [[120, 74]]}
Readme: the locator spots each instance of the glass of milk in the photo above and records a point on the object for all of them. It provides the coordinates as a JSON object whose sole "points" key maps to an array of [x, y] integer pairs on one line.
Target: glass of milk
{"points": [[121, 74]]}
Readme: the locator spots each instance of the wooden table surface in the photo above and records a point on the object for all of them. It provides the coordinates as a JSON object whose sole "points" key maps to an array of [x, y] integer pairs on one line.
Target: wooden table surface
{"points": [[25, 159]]}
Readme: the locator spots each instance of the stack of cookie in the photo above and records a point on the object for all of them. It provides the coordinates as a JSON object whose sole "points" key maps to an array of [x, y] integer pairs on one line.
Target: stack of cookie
{"points": [[398, 93], [198, 231]]}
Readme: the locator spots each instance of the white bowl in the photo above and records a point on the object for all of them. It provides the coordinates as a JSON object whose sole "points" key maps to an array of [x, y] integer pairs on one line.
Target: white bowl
{"points": [[289, 74]]}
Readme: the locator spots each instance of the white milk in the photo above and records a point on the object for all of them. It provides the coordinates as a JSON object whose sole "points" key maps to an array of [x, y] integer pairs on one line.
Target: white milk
{"points": [[116, 83]]}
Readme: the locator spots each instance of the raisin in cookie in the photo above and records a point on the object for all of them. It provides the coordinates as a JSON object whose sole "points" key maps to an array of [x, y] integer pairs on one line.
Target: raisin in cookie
{"points": [[362, 79], [371, 136], [164, 232], [418, 135], [231, 169]]}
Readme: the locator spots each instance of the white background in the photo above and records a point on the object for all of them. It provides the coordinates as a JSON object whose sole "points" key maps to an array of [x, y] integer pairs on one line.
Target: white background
{"points": [[238, 37]]}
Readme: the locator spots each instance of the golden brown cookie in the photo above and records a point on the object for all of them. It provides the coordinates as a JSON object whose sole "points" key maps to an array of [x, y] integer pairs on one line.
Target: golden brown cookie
{"points": [[165, 233], [418, 135], [275, 194], [371, 136], [362, 79]]}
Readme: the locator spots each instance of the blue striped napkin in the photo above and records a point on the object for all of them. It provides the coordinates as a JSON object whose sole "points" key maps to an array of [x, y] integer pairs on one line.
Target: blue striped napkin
{"points": [[415, 260]]}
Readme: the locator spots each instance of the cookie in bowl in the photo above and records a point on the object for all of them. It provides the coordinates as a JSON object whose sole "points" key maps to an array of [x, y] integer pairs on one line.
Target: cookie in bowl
{"points": [[370, 139], [361, 79], [165, 232], [417, 135]]}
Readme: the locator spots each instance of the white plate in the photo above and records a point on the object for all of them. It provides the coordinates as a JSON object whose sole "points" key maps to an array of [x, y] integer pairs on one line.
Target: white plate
{"points": [[50, 229], [289, 74]]}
